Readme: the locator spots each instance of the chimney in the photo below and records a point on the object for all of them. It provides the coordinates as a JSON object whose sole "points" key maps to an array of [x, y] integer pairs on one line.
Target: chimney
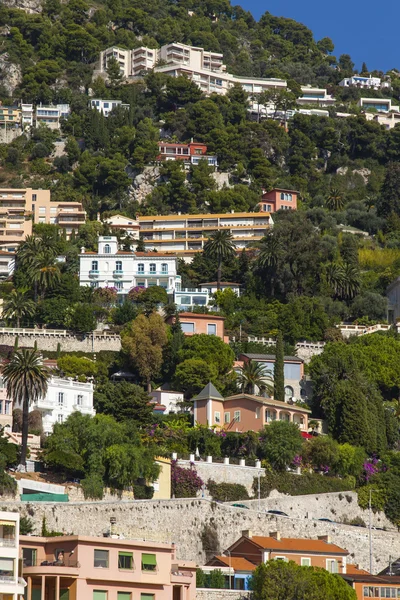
{"points": [[276, 535], [325, 538], [247, 533], [83, 250]]}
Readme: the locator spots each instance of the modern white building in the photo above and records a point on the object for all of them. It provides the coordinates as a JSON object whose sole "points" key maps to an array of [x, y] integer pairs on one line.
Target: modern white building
{"points": [[315, 96], [12, 587], [168, 399], [368, 83], [64, 396], [106, 106], [26, 115], [51, 115], [378, 104], [204, 67], [388, 120], [111, 267]]}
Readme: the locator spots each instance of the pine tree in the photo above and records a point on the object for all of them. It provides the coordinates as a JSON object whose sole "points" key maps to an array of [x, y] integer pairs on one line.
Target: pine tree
{"points": [[279, 377]]}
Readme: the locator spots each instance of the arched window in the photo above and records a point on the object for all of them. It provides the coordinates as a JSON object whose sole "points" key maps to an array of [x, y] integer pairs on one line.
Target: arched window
{"points": [[153, 268], [118, 266], [95, 265], [164, 268], [107, 249]]}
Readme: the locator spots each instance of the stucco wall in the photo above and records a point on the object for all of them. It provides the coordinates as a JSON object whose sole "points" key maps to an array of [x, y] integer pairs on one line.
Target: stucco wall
{"points": [[182, 521]]}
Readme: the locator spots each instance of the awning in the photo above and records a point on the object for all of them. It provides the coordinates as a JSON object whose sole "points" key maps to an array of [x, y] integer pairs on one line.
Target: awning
{"points": [[305, 435], [149, 559], [125, 554], [8, 523]]}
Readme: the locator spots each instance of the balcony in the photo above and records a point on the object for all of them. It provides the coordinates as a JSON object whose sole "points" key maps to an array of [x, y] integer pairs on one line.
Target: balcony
{"points": [[67, 568], [93, 274], [118, 274], [7, 542]]}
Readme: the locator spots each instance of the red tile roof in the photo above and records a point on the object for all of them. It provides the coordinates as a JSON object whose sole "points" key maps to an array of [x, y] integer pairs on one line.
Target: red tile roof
{"points": [[297, 545], [237, 563]]}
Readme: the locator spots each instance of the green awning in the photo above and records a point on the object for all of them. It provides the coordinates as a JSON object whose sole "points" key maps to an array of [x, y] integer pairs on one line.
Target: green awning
{"points": [[125, 554], [149, 559]]}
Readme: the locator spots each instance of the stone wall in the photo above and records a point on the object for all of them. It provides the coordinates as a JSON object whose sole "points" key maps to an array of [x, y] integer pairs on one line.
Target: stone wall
{"points": [[183, 522], [49, 340], [222, 473], [336, 506], [210, 594]]}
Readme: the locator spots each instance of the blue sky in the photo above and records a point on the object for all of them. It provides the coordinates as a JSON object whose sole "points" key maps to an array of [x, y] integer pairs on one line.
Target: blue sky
{"points": [[366, 30]]}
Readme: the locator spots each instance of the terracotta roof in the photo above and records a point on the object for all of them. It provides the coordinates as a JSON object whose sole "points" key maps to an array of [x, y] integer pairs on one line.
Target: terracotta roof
{"points": [[392, 580], [298, 545], [237, 563], [282, 190], [352, 569], [268, 402]]}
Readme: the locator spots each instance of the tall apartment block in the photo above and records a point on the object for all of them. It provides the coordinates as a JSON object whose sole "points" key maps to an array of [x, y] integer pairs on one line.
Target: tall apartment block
{"points": [[12, 587], [204, 67]]}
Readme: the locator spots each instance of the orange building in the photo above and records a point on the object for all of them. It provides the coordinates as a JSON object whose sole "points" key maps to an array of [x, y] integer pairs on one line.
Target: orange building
{"points": [[369, 586], [305, 552], [278, 199], [92, 568], [244, 412], [195, 323]]}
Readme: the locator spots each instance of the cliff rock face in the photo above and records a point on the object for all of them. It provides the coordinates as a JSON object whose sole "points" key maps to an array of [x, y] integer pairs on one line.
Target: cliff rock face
{"points": [[10, 74], [29, 6]]}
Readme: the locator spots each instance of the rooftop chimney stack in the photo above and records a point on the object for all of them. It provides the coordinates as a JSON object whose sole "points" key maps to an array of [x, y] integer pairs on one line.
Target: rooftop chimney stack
{"points": [[276, 535], [247, 533]]}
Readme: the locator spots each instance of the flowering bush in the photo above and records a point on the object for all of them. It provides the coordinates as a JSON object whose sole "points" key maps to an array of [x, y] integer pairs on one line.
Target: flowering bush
{"points": [[106, 296], [135, 292], [371, 467], [185, 483]]}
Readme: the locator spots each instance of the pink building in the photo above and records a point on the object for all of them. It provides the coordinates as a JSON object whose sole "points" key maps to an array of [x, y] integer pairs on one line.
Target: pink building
{"points": [[195, 323], [5, 408], [278, 199], [90, 568], [244, 412]]}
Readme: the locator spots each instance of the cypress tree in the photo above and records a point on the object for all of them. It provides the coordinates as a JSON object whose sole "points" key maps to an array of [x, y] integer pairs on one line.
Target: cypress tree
{"points": [[279, 376]]}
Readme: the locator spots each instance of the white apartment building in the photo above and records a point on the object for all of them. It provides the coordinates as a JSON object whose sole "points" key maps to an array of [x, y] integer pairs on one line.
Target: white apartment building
{"points": [[51, 115], [369, 83], [106, 106], [12, 587], [318, 96], [111, 267], [378, 104], [64, 396], [26, 115], [188, 233], [204, 67], [7, 264]]}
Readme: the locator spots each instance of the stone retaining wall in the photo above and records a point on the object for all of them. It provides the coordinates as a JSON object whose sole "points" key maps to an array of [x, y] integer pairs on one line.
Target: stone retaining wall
{"points": [[183, 522], [222, 473], [68, 342], [210, 594]]}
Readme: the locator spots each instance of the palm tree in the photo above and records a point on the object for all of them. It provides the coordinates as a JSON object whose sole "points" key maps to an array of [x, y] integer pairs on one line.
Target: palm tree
{"points": [[220, 246], [270, 251], [254, 374], [26, 380], [351, 282], [335, 200], [45, 271], [17, 306], [334, 277]]}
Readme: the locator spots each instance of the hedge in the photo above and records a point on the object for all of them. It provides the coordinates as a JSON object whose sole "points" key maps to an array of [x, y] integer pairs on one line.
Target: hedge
{"points": [[227, 492], [297, 485]]}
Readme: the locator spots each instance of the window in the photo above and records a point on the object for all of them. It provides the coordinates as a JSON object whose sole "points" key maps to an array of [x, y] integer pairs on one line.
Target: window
{"points": [[270, 415], [60, 418], [34, 197], [107, 249], [306, 562], [211, 329], [258, 412], [332, 566], [118, 266], [101, 559], [217, 417], [79, 400], [187, 327], [140, 268], [164, 268], [149, 562], [60, 398], [95, 265], [7, 567], [94, 284], [289, 393], [119, 285], [125, 560], [153, 268], [124, 596], [236, 416], [282, 558], [227, 417], [100, 595], [29, 557], [284, 416], [8, 407], [42, 210], [147, 597]]}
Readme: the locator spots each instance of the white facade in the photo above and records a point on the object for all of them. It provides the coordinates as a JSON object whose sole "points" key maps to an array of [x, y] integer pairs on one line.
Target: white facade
{"points": [[378, 104], [26, 115], [169, 399], [106, 106], [64, 396], [123, 57], [388, 120], [143, 59], [7, 264], [120, 222], [369, 83], [110, 267], [11, 586], [317, 96]]}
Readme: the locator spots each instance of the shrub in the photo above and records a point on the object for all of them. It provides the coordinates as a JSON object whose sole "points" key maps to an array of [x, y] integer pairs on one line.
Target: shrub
{"points": [[217, 579], [25, 525], [92, 487], [296, 485], [143, 492], [185, 483], [200, 578], [227, 492]]}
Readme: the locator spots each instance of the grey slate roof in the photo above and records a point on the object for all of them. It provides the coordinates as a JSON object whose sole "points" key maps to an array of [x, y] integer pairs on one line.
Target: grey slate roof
{"points": [[210, 391]]}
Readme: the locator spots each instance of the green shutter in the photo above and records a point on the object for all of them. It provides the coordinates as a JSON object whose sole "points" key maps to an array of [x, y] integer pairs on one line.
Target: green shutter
{"points": [[99, 595], [125, 554], [149, 560], [64, 594], [36, 593], [124, 596], [146, 596]]}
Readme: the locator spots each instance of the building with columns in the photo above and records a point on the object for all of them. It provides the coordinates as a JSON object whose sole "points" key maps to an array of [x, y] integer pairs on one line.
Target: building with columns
{"points": [[112, 267], [76, 567], [12, 586]]}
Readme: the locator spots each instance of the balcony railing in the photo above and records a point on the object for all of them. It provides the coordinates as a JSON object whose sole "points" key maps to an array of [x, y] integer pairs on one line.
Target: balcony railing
{"points": [[153, 273], [8, 579], [118, 273], [93, 273], [7, 543]]}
